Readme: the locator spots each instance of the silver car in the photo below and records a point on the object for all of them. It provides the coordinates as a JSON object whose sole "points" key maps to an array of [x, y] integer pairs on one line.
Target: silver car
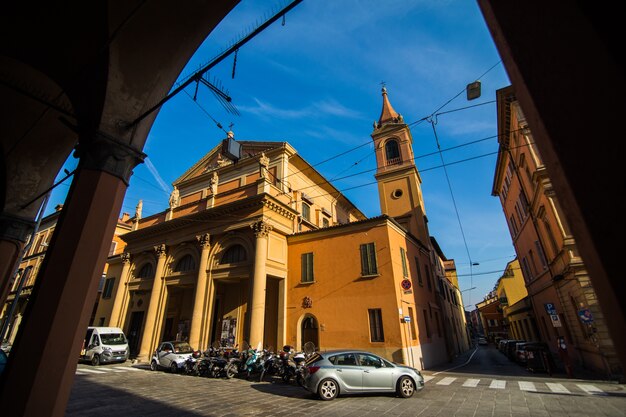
{"points": [[329, 374], [171, 355]]}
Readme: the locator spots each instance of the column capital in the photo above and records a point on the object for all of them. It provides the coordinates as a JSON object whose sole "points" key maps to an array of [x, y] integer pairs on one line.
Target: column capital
{"points": [[15, 228], [160, 250], [204, 240], [261, 229], [103, 152], [125, 256]]}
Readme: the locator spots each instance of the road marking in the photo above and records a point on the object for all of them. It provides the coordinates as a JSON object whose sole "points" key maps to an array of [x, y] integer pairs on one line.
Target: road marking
{"points": [[127, 368], [498, 384], [527, 386], [591, 389], [446, 381], [427, 378], [558, 388], [92, 371], [81, 373], [473, 383], [459, 366]]}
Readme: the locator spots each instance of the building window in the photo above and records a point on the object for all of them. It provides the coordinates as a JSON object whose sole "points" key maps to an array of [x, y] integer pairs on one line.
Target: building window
{"points": [[413, 329], [419, 272], [101, 321], [185, 264], [541, 254], [526, 270], [513, 226], [108, 288], [438, 324], [428, 278], [234, 254], [492, 323], [112, 248], [427, 324], [368, 259], [306, 212], [405, 270], [146, 271], [307, 267], [325, 222], [376, 325], [392, 152]]}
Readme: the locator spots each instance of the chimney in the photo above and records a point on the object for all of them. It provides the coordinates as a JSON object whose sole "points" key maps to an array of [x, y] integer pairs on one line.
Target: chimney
{"points": [[125, 217]]}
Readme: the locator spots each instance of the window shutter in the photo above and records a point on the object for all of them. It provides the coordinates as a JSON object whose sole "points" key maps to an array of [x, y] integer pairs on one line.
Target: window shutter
{"points": [[363, 259]]}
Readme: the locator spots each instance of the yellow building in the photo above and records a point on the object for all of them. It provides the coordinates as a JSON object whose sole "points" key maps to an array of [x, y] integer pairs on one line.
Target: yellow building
{"points": [[516, 308], [262, 249], [31, 262]]}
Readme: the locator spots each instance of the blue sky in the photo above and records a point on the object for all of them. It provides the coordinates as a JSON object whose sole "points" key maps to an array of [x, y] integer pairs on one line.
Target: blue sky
{"points": [[315, 82]]}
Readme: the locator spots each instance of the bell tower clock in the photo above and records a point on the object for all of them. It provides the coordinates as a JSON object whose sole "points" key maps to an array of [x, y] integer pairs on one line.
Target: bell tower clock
{"points": [[399, 182]]}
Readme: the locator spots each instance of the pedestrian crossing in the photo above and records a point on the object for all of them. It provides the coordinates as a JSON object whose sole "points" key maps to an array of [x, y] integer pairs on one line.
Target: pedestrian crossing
{"points": [[528, 386], [104, 370], [447, 381]]}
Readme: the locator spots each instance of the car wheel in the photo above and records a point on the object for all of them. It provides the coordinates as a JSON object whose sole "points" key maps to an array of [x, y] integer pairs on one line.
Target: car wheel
{"points": [[154, 366], [406, 387], [174, 368], [95, 360], [328, 389]]}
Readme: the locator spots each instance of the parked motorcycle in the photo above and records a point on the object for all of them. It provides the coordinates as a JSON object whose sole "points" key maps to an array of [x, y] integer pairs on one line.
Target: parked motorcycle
{"points": [[190, 366]]}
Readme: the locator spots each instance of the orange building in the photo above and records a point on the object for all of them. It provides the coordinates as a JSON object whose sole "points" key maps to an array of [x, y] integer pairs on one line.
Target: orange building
{"points": [[266, 251], [559, 287]]}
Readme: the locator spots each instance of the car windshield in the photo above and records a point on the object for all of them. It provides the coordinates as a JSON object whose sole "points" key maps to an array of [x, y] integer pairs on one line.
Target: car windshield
{"points": [[113, 338], [182, 347]]}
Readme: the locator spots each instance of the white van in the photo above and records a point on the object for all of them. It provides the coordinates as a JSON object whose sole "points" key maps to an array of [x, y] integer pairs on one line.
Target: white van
{"points": [[104, 345]]}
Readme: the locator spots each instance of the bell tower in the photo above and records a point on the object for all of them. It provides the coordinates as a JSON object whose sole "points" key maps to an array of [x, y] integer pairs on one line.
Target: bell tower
{"points": [[399, 182]]}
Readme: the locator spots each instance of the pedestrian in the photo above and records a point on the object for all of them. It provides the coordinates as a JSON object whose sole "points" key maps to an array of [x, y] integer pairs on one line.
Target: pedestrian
{"points": [[564, 356]]}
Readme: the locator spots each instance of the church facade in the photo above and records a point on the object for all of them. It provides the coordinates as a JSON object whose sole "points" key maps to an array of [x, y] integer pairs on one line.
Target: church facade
{"points": [[268, 252]]}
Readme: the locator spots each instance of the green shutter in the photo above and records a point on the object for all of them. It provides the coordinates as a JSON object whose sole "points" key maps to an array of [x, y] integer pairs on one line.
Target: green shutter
{"points": [[373, 268], [363, 259]]}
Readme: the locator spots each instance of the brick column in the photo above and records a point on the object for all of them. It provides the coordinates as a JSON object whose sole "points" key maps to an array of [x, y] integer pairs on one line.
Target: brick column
{"points": [[39, 374]]}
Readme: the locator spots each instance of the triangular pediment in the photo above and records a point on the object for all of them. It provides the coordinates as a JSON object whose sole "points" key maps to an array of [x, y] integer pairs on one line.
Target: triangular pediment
{"points": [[214, 159]]}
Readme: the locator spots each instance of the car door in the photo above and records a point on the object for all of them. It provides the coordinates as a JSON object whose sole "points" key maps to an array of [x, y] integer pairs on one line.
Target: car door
{"points": [[165, 354], [348, 372], [376, 376]]}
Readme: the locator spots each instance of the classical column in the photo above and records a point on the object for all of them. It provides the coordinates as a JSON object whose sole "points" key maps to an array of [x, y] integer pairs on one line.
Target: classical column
{"points": [[257, 310], [151, 326], [121, 292], [202, 289], [40, 372]]}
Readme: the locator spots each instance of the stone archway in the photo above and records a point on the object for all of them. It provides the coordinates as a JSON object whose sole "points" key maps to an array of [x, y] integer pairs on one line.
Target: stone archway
{"points": [[308, 331]]}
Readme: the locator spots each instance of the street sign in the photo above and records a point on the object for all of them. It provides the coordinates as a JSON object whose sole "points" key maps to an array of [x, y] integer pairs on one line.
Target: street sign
{"points": [[406, 284], [550, 308], [556, 321], [407, 319]]}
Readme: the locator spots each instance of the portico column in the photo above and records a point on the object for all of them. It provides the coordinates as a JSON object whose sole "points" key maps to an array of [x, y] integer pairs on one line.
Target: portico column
{"points": [[257, 311], [41, 368], [198, 314], [122, 291], [150, 329]]}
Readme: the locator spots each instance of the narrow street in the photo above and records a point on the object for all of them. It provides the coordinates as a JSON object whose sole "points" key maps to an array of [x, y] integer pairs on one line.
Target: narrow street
{"points": [[489, 385]]}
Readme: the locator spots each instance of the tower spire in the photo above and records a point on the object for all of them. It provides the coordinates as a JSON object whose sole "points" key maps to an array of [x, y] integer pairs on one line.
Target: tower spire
{"points": [[388, 114]]}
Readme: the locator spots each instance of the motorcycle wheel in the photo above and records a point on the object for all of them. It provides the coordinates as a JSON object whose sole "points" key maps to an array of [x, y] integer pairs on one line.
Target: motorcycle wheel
{"points": [[262, 375], [231, 371]]}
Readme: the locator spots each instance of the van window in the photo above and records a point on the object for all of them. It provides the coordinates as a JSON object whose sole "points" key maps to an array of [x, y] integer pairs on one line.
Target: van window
{"points": [[113, 338]]}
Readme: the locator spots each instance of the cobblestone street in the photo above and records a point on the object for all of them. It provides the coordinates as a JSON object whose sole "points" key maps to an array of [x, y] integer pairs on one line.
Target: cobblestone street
{"points": [[115, 390]]}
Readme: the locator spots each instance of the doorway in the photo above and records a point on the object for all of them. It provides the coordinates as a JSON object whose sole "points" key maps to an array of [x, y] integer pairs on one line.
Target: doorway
{"points": [[310, 331], [134, 332]]}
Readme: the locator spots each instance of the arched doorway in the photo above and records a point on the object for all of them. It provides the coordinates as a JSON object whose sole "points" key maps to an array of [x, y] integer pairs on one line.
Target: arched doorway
{"points": [[309, 331]]}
